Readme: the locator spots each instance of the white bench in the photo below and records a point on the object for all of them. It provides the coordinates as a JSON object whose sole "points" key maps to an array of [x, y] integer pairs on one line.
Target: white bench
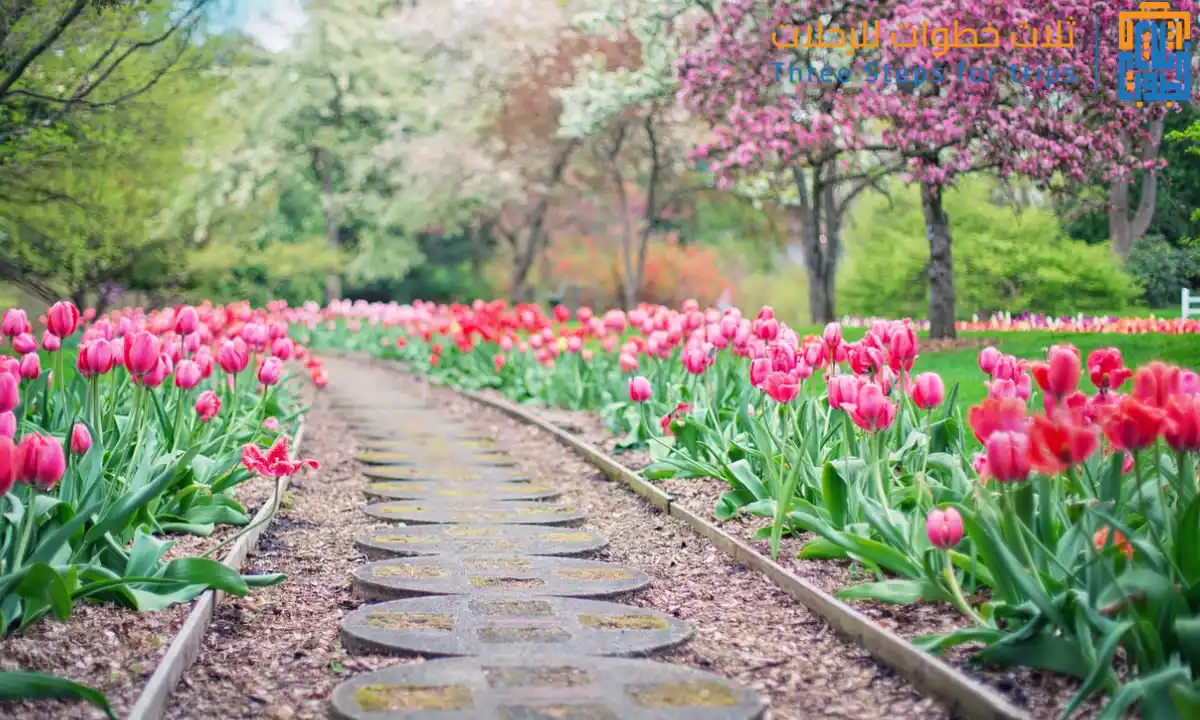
{"points": [[1189, 304]]}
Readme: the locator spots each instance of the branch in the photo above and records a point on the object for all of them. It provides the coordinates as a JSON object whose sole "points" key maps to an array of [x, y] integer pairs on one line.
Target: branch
{"points": [[22, 64]]}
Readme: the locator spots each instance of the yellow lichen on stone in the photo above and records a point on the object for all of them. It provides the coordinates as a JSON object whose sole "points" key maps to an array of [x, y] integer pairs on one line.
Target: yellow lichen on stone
{"points": [[594, 574], [409, 621], [623, 622], [383, 698], [701, 693]]}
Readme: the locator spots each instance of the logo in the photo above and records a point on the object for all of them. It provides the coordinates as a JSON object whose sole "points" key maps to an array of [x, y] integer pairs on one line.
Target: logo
{"points": [[1154, 61]]}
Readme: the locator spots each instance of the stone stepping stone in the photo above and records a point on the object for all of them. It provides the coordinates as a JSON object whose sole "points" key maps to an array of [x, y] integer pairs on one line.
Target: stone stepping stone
{"points": [[454, 474], [432, 440], [499, 513], [504, 576], [455, 625], [561, 687], [416, 540], [407, 454], [455, 492]]}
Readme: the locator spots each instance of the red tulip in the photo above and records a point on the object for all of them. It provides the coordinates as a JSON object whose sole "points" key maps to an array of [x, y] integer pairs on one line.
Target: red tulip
{"points": [[1057, 444], [62, 319], [639, 389], [15, 323], [40, 461], [320, 379], [96, 358], [10, 396], [1107, 369], [1119, 542], [1059, 376], [8, 424], [275, 462], [24, 344], [1155, 383], [1008, 456], [562, 313], [574, 343], [928, 390], [142, 353], [1133, 425], [944, 528], [51, 342], [992, 415], [208, 404], [81, 439], [1182, 430], [872, 410]]}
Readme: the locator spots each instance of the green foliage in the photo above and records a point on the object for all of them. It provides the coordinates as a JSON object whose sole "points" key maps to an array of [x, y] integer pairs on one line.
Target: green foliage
{"points": [[1162, 269], [1002, 260]]}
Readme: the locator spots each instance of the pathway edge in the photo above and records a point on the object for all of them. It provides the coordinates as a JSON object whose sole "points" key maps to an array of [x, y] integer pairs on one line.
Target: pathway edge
{"points": [[927, 673], [185, 647]]}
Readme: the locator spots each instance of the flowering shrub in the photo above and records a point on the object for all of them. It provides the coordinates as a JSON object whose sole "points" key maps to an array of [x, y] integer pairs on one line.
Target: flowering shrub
{"points": [[118, 431], [1060, 516]]}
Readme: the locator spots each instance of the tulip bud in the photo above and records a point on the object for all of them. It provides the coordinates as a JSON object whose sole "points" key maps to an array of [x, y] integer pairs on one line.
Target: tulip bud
{"points": [[192, 342], [187, 320], [320, 379], [188, 374], [10, 396], [1008, 456], [833, 335], [8, 424], [51, 342], [282, 348], [81, 439], [142, 353], [40, 461], [639, 389], [233, 356], [208, 404], [24, 344], [989, 357], [271, 423], [31, 366], [62, 319], [15, 322], [269, 371], [928, 390], [944, 528]]}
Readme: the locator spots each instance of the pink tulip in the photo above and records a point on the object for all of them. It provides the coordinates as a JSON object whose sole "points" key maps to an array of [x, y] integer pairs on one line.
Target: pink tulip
{"points": [[15, 323], [188, 375], [8, 424], [832, 336], [271, 424], [204, 358], [944, 528], [233, 356], [10, 396], [8, 464], [269, 371], [1008, 456], [161, 370], [62, 319], [193, 342], [320, 379], [781, 387], [31, 366], [187, 321], [928, 390], [639, 389], [51, 342], [24, 344], [81, 439], [760, 368], [142, 352], [282, 348], [989, 357], [96, 358], [872, 410], [902, 346], [843, 390], [208, 404], [627, 362], [41, 461]]}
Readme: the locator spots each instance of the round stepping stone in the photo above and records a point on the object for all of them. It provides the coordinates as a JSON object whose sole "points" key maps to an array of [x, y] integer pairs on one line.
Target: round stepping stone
{"points": [[561, 687], [409, 455], [482, 492], [447, 441], [500, 513], [459, 474], [478, 539], [507, 576], [455, 625]]}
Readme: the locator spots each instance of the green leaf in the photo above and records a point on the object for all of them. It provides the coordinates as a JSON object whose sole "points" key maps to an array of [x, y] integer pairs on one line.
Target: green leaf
{"points": [[258, 581], [935, 644], [115, 518], [821, 549], [898, 592], [42, 586], [835, 495], [1041, 651], [215, 515], [1102, 671], [203, 571], [741, 476], [40, 686]]}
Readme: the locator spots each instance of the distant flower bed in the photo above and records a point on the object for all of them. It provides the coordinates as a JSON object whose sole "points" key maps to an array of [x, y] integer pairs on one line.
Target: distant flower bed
{"points": [[1026, 322]]}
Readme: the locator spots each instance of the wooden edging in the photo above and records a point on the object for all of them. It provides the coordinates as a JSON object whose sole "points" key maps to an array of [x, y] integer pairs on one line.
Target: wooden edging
{"points": [[185, 648], [929, 674]]}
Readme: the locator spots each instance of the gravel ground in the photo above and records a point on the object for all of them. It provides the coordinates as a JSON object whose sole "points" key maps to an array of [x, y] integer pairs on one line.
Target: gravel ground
{"points": [[1044, 695], [746, 628]]}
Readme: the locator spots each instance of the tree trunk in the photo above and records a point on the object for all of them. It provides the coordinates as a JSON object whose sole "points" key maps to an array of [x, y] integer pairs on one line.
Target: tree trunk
{"points": [[324, 163], [519, 288], [79, 297], [1124, 231], [819, 239], [941, 264]]}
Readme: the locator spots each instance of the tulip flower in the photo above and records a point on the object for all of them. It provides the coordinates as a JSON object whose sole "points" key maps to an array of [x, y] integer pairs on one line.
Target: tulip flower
{"points": [[993, 415], [1155, 382], [1119, 542], [81, 439], [1008, 456], [31, 366], [782, 387], [928, 390], [96, 358], [1059, 376], [41, 462], [843, 390], [832, 336], [8, 464], [187, 321], [8, 424], [1058, 443], [759, 369], [282, 348], [155, 377], [639, 389], [320, 379], [989, 357], [1182, 429], [25, 344], [944, 528], [902, 347], [1107, 369], [275, 462], [142, 352], [1133, 425], [271, 424], [208, 404], [51, 342], [627, 362], [498, 362], [188, 375], [872, 410], [15, 323], [62, 319], [10, 396], [233, 356]]}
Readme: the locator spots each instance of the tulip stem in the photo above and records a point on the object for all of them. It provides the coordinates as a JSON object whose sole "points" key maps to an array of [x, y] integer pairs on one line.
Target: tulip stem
{"points": [[1137, 473], [276, 499], [26, 529], [956, 592]]}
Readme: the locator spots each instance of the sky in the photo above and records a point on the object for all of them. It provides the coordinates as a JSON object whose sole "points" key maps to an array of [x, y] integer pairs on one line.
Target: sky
{"points": [[271, 22]]}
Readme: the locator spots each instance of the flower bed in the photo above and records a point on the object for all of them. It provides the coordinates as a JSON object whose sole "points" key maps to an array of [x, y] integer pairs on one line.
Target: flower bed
{"points": [[1058, 525], [119, 435]]}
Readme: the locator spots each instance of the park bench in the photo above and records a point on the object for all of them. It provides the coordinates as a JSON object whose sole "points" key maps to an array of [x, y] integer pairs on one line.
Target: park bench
{"points": [[1189, 304]]}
